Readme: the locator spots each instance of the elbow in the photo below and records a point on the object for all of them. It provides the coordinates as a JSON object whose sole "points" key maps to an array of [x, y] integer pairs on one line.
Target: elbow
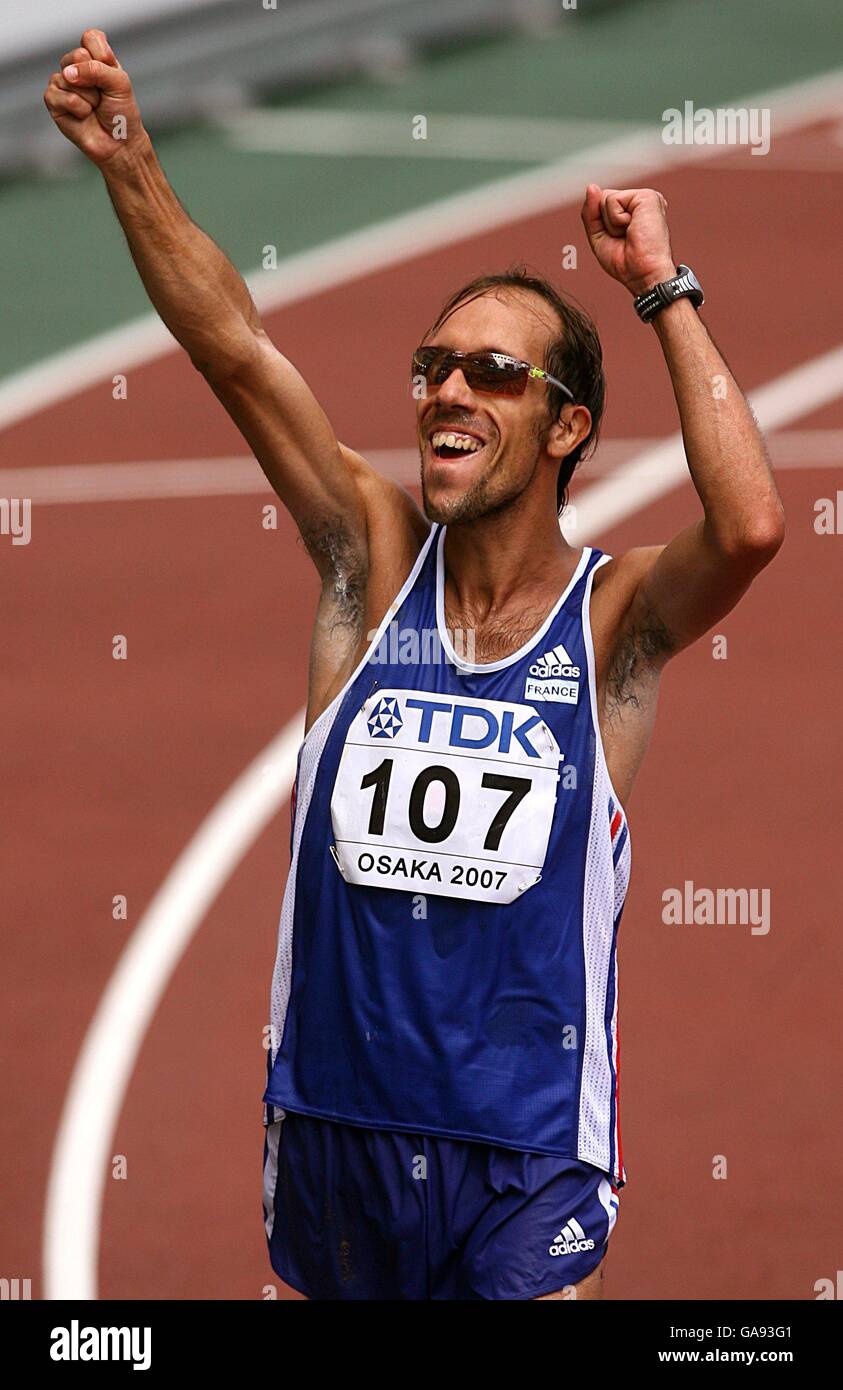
{"points": [[225, 359], [757, 540], [764, 536], [219, 368]]}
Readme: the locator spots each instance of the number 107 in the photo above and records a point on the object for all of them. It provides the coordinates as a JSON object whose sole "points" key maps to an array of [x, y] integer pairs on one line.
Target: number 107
{"points": [[379, 779]]}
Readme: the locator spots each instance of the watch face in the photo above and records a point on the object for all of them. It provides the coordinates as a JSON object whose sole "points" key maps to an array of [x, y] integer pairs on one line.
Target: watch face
{"points": [[690, 276]]}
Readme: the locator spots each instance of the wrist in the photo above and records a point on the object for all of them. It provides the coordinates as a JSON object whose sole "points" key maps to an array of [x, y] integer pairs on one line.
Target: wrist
{"points": [[126, 163], [665, 293], [674, 317], [643, 283]]}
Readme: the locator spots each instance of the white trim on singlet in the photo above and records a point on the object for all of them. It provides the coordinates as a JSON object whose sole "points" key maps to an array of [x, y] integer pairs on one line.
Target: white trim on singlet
{"points": [[480, 667], [592, 675], [600, 888]]}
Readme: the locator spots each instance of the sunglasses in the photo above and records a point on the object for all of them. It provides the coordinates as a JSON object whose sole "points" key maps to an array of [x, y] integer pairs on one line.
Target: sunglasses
{"points": [[492, 372]]}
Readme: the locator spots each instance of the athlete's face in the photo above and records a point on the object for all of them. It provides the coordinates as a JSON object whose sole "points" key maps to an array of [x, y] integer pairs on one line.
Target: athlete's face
{"points": [[510, 432]]}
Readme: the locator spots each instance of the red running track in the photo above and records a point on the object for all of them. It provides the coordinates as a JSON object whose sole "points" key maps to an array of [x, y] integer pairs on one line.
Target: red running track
{"points": [[728, 1041]]}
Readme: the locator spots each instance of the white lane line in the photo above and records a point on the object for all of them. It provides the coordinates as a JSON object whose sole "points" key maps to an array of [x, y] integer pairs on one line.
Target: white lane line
{"points": [[657, 471], [821, 448], [115, 1036], [104, 1066], [164, 478], [402, 238], [160, 480], [307, 130]]}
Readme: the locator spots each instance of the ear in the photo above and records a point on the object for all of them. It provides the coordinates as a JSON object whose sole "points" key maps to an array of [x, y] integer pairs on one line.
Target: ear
{"points": [[571, 429]]}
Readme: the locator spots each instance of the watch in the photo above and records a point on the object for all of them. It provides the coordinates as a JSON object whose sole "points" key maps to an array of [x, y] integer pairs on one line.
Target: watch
{"points": [[685, 284]]}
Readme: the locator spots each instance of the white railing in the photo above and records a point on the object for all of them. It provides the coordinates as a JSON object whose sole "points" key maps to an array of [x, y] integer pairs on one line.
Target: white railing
{"points": [[186, 58]]}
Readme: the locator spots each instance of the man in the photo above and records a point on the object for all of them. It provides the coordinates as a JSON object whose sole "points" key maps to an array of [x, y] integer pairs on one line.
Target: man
{"points": [[442, 1100]]}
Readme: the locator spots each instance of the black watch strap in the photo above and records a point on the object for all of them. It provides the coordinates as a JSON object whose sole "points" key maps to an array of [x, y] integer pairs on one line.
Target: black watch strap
{"points": [[684, 285]]}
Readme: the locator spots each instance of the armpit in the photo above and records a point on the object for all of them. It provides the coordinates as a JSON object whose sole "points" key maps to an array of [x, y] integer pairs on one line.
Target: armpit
{"points": [[341, 562], [641, 649]]}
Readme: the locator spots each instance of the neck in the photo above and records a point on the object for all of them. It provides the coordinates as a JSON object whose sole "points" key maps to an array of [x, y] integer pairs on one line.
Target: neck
{"points": [[502, 557]]}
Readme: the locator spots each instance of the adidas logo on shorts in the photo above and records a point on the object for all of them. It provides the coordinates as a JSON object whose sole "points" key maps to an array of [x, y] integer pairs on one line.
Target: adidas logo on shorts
{"points": [[571, 1240]]}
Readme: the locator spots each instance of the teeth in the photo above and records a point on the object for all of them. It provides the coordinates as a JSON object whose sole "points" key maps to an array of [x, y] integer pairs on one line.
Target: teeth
{"points": [[456, 441]]}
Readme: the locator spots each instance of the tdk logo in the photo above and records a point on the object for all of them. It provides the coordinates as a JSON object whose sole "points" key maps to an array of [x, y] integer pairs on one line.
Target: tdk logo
{"points": [[452, 724], [385, 720]]}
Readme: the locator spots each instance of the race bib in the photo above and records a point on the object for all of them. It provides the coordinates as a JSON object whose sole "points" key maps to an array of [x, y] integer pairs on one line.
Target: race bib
{"points": [[445, 795]]}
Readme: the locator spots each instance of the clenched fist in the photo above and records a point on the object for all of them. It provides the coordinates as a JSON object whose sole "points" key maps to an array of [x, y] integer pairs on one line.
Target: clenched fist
{"points": [[628, 233], [92, 103]]}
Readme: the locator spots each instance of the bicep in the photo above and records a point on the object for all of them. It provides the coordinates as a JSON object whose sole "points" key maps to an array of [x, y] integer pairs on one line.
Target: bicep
{"points": [[362, 531], [682, 589]]}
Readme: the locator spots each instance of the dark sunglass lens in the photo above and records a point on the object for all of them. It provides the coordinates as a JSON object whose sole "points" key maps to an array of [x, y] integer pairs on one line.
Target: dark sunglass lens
{"points": [[422, 358], [483, 371], [432, 364], [487, 373]]}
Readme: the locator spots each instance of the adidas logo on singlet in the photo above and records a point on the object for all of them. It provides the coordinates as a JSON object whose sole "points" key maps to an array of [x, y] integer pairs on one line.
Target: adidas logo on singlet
{"points": [[571, 1240], [554, 677]]}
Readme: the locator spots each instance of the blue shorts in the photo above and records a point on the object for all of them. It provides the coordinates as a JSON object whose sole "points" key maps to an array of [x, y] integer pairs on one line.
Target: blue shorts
{"points": [[354, 1213]]}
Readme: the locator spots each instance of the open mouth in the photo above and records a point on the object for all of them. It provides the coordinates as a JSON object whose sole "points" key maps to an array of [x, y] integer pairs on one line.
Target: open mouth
{"points": [[450, 444]]}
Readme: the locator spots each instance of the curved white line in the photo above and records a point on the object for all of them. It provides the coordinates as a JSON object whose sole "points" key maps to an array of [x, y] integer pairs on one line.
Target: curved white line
{"points": [[105, 1064], [650, 474]]}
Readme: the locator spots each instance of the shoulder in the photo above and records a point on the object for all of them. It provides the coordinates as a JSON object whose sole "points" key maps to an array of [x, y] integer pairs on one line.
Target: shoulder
{"points": [[625, 631], [396, 530], [618, 580], [385, 500]]}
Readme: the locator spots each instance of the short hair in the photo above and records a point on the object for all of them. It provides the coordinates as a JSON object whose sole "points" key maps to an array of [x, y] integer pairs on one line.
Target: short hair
{"points": [[575, 357]]}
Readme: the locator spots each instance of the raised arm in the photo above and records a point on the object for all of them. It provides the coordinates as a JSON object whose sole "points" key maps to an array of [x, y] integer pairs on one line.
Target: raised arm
{"points": [[678, 591], [332, 494]]}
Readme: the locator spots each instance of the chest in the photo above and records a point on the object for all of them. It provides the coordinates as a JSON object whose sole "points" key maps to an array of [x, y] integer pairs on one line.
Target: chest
{"points": [[496, 635]]}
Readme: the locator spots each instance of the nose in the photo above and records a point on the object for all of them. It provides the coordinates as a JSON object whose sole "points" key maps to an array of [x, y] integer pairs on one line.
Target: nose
{"points": [[455, 390]]}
